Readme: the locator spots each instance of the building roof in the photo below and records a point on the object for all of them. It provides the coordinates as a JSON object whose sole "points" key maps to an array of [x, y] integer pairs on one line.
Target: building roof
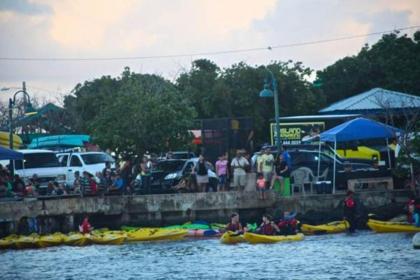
{"points": [[318, 117], [376, 99]]}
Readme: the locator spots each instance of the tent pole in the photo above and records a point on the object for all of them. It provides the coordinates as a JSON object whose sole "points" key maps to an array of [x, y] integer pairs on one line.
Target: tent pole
{"points": [[319, 158], [389, 154], [335, 151]]}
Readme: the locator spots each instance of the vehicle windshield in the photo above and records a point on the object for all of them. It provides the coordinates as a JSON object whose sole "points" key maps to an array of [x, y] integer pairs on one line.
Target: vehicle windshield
{"points": [[96, 158], [38, 160], [170, 166]]}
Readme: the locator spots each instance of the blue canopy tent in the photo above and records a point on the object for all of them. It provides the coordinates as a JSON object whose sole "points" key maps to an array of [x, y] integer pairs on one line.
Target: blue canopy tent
{"points": [[357, 129], [9, 154]]}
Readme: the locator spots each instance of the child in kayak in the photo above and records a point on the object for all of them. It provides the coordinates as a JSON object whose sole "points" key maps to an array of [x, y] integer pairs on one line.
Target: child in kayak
{"points": [[235, 225], [268, 227]]}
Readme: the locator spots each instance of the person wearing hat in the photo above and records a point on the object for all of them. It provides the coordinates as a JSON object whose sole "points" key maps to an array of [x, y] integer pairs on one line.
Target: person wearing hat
{"points": [[239, 165], [350, 211]]}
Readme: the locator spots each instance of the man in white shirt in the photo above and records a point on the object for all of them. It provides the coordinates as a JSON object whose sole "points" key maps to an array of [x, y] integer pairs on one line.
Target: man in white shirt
{"points": [[239, 165]]}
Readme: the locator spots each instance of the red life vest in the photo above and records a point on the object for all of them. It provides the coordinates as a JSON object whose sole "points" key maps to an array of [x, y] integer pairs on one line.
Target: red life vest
{"points": [[234, 227], [349, 202], [267, 229]]}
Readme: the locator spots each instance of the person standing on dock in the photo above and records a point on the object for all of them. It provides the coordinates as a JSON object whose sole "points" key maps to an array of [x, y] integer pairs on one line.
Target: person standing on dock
{"points": [[350, 211], [239, 165]]}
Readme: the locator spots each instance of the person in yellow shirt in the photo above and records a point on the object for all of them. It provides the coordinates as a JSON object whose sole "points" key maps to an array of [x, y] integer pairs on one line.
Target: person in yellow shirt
{"points": [[266, 163]]}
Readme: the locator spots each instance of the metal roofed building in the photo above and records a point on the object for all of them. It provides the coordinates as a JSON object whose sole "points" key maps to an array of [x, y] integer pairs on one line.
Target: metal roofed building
{"points": [[375, 101]]}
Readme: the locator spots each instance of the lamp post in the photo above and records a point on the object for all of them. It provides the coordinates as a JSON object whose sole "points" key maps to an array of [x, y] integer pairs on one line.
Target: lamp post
{"points": [[12, 103], [267, 92]]}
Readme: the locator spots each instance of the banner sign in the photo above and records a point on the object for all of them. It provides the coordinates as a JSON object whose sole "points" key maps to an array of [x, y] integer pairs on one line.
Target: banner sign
{"points": [[294, 133]]}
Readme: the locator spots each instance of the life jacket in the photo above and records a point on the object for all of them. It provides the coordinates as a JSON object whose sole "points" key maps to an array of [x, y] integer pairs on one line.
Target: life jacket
{"points": [[267, 229], [349, 202], [234, 227], [85, 227]]}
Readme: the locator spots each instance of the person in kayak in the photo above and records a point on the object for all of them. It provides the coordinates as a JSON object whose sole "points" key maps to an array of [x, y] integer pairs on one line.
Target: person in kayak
{"points": [[288, 225], [268, 227], [85, 227], [350, 211], [235, 224], [410, 209], [416, 215]]}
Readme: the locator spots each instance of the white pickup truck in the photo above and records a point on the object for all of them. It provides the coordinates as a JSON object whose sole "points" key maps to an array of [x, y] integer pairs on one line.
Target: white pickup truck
{"points": [[91, 162], [43, 163]]}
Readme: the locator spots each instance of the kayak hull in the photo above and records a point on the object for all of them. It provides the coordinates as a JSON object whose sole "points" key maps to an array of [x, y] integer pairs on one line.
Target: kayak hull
{"points": [[77, 239], [391, 227], [333, 227], [107, 239], [231, 238], [254, 238], [26, 242], [156, 235]]}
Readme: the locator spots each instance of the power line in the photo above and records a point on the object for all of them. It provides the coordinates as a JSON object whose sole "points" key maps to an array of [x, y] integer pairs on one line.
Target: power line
{"points": [[210, 53]]}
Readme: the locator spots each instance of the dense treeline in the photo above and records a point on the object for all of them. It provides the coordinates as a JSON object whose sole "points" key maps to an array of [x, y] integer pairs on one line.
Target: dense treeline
{"points": [[138, 112]]}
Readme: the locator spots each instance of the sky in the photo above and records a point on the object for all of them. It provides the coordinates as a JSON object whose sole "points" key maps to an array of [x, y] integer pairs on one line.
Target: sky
{"points": [[141, 28]]}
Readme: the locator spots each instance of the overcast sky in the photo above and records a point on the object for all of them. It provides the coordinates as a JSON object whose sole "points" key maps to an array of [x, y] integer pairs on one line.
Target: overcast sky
{"points": [[127, 28]]}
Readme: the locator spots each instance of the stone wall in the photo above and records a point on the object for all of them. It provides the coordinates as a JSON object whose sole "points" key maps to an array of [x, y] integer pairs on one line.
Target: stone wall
{"points": [[158, 210]]}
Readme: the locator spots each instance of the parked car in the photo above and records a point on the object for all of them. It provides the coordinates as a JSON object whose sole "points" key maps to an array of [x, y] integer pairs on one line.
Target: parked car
{"points": [[172, 179], [91, 162], [168, 173], [43, 163]]}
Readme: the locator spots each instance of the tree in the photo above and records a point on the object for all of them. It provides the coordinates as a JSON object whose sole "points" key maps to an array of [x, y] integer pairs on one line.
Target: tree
{"points": [[146, 113], [392, 63]]}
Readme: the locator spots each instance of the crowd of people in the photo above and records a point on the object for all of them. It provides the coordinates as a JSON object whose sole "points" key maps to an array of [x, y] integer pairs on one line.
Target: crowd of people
{"points": [[126, 176]]}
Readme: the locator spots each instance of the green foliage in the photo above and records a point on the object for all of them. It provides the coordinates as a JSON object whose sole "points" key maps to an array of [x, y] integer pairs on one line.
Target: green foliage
{"points": [[392, 63], [133, 113]]}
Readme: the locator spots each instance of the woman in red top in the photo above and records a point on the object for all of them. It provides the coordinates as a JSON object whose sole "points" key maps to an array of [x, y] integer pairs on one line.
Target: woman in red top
{"points": [[268, 227]]}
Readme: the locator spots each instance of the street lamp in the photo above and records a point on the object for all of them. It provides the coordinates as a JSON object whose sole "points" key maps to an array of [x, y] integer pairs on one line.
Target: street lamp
{"points": [[268, 93]]}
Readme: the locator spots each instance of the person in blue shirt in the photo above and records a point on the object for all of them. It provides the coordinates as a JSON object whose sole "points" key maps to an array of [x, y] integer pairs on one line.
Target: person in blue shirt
{"points": [[287, 157], [117, 183]]}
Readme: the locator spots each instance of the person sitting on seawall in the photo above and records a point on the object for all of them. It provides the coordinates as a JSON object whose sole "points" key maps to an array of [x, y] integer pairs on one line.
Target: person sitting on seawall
{"points": [[85, 227], [350, 211], [235, 224], [117, 185], [268, 227], [288, 225]]}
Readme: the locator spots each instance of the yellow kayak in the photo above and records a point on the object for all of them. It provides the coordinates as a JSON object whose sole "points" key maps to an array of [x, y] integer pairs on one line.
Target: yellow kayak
{"points": [[107, 238], [26, 241], [156, 234], [333, 227], [55, 239], [76, 239], [4, 140], [231, 238], [254, 238], [6, 244], [383, 227]]}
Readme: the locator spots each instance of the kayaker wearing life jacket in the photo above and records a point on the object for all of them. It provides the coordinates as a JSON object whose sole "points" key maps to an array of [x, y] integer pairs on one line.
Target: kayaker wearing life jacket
{"points": [[234, 225], [410, 209], [268, 227], [85, 227], [288, 225], [350, 211]]}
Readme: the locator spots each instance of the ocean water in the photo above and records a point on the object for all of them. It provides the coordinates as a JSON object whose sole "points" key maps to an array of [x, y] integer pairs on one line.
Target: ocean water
{"points": [[364, 255]]}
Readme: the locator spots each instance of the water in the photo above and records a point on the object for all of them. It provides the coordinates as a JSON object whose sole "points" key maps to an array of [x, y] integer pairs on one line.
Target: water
{"points": [[364, 255]]}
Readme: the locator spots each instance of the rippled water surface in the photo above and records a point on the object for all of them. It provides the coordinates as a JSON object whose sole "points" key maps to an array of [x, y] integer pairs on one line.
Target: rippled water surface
{"points": [[364, 255]]}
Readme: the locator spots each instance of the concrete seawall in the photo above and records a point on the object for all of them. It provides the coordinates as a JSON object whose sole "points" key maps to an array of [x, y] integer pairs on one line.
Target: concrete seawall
{"points": [[158, 210]]}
